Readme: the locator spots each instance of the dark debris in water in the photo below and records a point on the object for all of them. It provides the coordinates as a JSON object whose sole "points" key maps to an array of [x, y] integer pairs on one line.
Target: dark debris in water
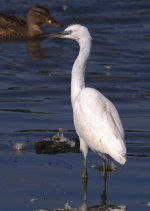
{"points": [[57, 144], [53, 147]]}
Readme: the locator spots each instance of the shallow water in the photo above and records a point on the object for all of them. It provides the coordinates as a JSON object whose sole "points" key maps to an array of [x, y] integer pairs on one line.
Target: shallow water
{"points": [[35, 103]]}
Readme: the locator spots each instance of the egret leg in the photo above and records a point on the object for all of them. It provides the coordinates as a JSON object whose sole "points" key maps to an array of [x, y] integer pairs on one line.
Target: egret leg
{"points": [[104, 169], [84, 150], [84, 173]]}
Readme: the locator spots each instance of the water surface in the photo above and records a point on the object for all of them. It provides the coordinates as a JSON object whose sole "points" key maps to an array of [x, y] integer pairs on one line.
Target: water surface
{"points": [[35, 103]]}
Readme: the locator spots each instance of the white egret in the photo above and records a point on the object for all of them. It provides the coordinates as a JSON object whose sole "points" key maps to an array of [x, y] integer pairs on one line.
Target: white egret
{"points": [[96, 119]]}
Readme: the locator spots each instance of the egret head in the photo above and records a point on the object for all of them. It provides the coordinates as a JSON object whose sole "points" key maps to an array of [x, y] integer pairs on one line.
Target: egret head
{"points": [[74, 32]]}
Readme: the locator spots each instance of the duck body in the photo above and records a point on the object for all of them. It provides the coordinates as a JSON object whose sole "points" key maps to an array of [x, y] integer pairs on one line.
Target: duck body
{"points": [[9, 27], [15, 27]]}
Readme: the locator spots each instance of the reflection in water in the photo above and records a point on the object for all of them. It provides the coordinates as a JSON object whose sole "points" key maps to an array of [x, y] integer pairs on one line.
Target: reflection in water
{"points": [[119, 67], [36, 52], [103, 205]]}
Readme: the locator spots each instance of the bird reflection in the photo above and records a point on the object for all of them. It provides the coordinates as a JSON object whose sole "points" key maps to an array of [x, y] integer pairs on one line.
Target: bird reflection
{"points": [[35, 50], [84, 206], [103, 205], [104, 195]]}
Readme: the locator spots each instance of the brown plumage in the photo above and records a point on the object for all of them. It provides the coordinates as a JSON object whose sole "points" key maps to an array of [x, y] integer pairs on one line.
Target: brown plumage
{"points": [[14, 27]]}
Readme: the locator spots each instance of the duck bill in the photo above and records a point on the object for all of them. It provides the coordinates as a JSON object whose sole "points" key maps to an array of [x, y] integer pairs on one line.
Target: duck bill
{"points": [[52, 22]]}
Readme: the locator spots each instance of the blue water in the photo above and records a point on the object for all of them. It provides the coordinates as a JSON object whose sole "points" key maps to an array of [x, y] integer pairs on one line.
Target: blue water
{"points": [[35, 103]]}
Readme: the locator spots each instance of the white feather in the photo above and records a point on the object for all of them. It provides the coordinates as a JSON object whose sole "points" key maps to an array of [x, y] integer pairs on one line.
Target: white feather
{"points": [[96, 119]]}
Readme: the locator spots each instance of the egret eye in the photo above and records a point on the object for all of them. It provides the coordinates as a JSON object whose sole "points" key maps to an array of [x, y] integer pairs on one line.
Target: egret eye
{"points": [[67, 32], [70, 31]]}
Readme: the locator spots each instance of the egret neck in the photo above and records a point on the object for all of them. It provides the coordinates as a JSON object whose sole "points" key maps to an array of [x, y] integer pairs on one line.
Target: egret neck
{"points": [[78, 70]]}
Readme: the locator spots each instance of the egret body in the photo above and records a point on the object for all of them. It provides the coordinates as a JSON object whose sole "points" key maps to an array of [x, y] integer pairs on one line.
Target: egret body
{"points": [[96, 119]]}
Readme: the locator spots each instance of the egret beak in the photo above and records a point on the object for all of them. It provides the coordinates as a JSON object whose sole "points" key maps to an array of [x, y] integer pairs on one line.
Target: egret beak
{"points": [[60, 34]]}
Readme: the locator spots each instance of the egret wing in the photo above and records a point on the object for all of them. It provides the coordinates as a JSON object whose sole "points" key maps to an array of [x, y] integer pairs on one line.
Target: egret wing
{"points": [[97, 107]]}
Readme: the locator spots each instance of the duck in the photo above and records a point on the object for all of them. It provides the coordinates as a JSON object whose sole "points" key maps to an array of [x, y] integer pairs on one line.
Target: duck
{"points": [[16, 27]]}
